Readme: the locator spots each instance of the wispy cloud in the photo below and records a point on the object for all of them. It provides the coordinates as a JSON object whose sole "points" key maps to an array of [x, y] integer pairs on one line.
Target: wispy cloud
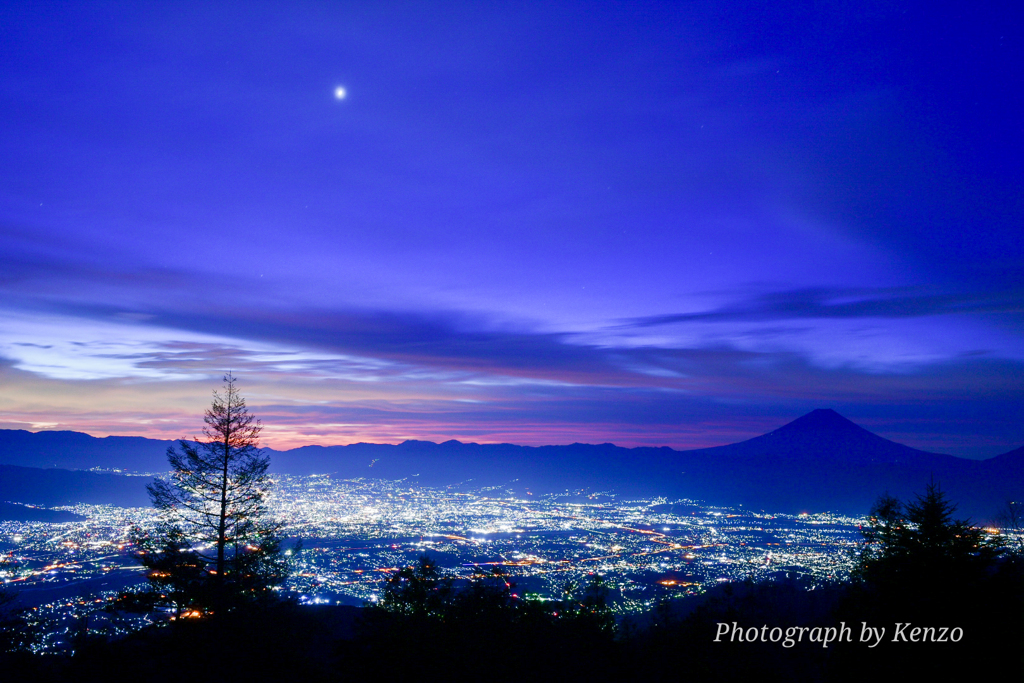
{"points": [[821, 303]]}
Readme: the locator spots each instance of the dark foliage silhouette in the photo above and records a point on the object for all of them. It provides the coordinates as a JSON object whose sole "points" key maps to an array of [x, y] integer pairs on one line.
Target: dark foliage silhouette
{"points": [[911, 550], [921, 566], [424, 621]]}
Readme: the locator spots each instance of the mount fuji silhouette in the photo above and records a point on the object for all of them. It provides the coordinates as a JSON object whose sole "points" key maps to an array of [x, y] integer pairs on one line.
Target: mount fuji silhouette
{"points": [[824, 433], [818, 462]]}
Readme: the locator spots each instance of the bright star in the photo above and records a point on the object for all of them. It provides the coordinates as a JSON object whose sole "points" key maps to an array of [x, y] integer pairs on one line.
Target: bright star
{"points": [[339, 93]]}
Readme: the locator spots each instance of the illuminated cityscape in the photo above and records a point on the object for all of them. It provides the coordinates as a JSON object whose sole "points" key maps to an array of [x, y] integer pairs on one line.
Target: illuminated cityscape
{"points": [[355, 533]]}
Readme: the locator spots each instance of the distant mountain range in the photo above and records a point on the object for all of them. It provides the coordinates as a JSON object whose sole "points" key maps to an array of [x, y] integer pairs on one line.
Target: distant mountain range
{"points": [[821, 461], [78, 451]]}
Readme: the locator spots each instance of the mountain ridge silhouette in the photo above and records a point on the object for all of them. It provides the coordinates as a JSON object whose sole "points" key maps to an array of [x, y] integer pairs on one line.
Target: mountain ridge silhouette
{"points": [[819, 461]]}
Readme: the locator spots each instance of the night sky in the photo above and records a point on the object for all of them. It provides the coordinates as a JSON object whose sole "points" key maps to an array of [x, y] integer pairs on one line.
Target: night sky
{"points": [[678, 224]]}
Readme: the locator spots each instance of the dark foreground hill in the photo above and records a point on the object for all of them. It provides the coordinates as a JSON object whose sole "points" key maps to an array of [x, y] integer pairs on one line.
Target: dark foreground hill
{"points": [[821, 461], [768, 632]]}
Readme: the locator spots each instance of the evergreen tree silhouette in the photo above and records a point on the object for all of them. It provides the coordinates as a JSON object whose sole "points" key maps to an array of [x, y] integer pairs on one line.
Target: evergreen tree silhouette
{"points": [[215, 545]]}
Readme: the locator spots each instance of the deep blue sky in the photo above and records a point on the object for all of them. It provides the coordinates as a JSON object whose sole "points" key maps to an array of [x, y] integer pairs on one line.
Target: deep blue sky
{"points": [[648, 223]]}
